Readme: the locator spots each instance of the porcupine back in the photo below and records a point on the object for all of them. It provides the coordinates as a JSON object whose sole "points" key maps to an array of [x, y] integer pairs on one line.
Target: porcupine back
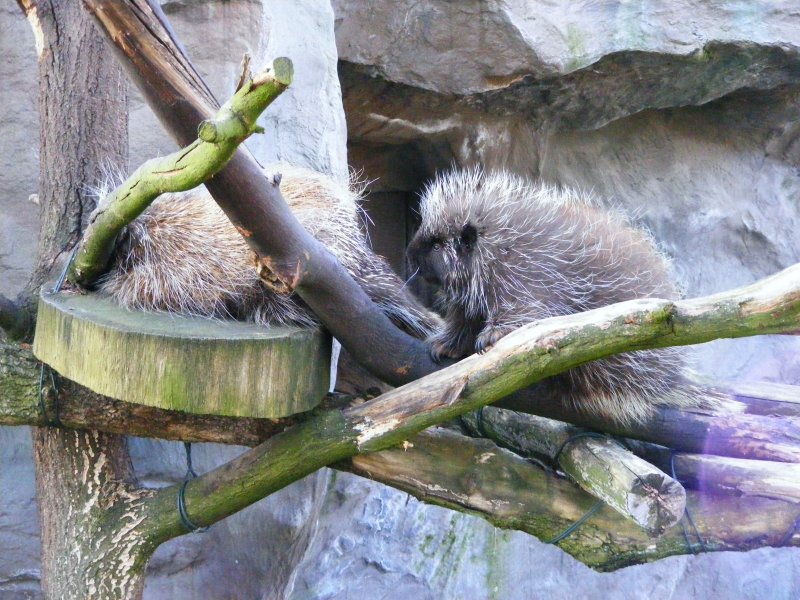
{"points": [[544, 251], [184, 256]]}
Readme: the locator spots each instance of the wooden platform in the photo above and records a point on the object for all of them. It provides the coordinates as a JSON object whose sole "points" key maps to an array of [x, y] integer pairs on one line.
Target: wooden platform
{"points": [[190, 364]]}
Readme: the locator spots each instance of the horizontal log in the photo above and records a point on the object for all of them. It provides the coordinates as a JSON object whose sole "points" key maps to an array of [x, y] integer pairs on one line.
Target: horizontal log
{"points": [[30, 395], [480, 478], [727, 431], [724, 475], [709, 473]]}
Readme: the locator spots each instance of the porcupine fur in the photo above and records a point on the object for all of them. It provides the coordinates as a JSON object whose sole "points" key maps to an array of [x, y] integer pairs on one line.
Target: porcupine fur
{"points": [[506, 251], [184, 256]]}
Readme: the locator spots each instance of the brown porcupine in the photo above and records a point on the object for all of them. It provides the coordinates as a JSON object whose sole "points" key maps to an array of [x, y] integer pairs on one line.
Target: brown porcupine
{"points": [[505, 251], [184, 256]]}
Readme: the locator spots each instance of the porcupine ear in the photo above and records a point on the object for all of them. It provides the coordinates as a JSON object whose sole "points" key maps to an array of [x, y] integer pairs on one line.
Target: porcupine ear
{"points": [[469, 235]]}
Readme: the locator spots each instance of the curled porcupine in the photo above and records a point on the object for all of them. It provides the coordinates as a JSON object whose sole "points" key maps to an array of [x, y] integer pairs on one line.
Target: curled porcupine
{"points": [[184, 256], [505, 251]]}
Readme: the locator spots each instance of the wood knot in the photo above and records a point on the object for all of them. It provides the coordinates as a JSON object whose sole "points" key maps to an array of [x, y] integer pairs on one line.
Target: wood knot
{"points": [[269, 276]]}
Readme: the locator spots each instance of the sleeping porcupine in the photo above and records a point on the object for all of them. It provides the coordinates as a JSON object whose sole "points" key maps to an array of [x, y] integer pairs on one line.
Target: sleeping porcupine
{"points": [[183, 255], [506, 251]]}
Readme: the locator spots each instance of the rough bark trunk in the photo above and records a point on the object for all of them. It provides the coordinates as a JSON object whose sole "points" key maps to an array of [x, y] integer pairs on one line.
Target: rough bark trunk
{"points": [[82, 478], [84, 132]]}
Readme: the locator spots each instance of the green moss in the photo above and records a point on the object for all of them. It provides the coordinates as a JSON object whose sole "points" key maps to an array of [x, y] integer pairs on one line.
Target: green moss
{"points": [[496, 564], [576, 48]]}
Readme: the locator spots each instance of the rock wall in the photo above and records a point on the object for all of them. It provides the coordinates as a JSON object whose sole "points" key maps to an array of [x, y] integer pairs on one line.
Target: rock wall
{"points": [[686, 116], [686, 113]]}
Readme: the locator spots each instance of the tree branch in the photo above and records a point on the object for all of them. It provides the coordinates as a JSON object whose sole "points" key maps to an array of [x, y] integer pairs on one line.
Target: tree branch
{"points": [[729, 432], [180, 171], [599, 465], [479, 478], [534, 351], [31, 395], [725, 475], [160, 68]]}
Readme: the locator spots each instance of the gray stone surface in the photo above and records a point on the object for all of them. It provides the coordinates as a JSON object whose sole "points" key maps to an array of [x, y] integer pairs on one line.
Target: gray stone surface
{"points": [[19, 160], [537, 87], [479, 45], [394, 547]]}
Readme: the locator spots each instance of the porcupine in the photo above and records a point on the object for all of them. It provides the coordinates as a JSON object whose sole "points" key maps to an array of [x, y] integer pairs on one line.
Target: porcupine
{"points": [[505, 251], [184, 256]]}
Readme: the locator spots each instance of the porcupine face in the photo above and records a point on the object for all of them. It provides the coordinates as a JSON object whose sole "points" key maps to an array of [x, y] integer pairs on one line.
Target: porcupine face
{"points": [[441, 259], [451, 248]]}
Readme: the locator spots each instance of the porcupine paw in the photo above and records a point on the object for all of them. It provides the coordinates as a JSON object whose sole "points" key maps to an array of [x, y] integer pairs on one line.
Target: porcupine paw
{"points": [[489, 336], [440, 349]]}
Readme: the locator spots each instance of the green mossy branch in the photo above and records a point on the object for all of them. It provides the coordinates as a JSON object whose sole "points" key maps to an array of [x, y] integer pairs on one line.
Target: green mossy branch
{"points": [[523, 357], [182, 170], [475, 476]]}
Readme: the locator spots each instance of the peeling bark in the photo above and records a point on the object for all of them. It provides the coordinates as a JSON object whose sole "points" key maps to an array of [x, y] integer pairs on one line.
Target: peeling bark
{"points": [[90, 508]]}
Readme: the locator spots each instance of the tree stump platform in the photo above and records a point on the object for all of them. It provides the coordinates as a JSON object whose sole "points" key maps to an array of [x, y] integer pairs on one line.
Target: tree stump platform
{"points": [[189, 364]]}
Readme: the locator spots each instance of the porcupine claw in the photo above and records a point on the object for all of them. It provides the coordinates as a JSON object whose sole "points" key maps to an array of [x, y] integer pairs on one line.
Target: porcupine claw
{"points": [[489, 337]]}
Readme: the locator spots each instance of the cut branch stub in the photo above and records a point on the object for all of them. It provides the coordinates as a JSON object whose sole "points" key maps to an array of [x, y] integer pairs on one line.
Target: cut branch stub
{"points": [[236, 120], [182, 170], [195, 365]]}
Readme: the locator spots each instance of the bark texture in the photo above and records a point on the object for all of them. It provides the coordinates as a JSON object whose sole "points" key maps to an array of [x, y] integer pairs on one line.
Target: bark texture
{"points": [[88, 499], [80, 475]]}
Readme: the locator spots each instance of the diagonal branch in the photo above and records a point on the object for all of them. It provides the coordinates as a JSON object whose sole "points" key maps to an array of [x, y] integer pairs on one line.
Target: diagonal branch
{"points": [[533, 352], [180, 171], [160, 68]]}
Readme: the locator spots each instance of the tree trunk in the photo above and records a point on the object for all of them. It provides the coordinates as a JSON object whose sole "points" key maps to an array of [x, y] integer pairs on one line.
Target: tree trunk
{"points": [[82, 478], [84, 133]]}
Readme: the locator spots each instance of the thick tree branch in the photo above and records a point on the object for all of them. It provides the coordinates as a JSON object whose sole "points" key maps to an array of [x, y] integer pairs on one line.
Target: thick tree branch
{"points": [[601, 466], [528, 436], [165, 75], [535, 351], [731, 431], [508, 491]]}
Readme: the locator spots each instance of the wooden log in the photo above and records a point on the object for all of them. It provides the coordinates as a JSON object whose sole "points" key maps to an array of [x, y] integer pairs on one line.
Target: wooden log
{"points": [[725, 475], [729, 431], [480, 478], [195, 365], [708, 473], [766, 398], [599, 465]]}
